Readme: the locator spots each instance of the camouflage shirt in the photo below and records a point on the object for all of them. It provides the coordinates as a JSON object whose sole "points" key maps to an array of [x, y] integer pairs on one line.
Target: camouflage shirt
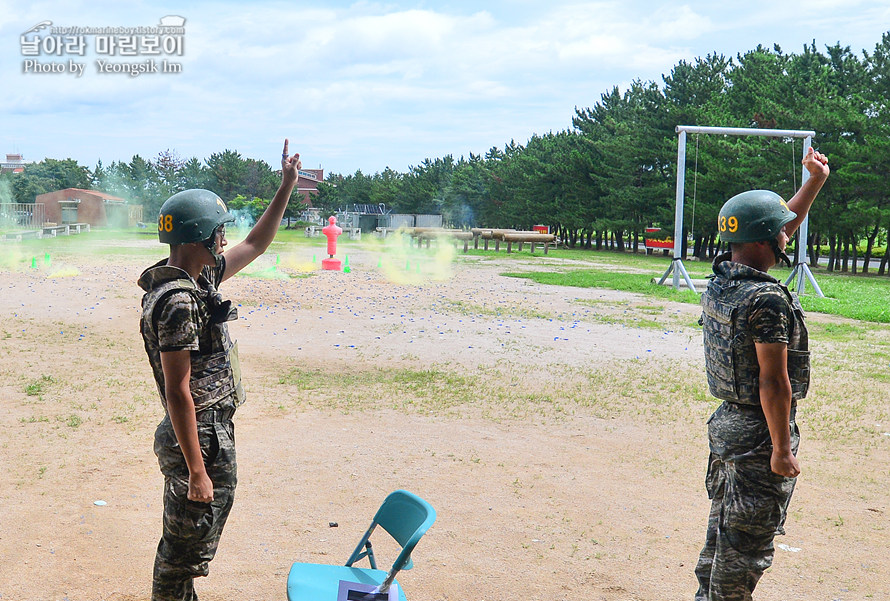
{"points": [[180, 313], [743, 306]]}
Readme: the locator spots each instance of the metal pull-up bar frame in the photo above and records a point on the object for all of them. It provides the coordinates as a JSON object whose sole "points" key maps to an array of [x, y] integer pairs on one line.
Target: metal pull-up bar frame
{"points": [[801, 269]]}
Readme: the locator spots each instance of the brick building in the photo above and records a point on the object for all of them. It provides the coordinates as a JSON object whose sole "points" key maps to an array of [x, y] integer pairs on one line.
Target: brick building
{"points": [[307, 183], [73, 205]]}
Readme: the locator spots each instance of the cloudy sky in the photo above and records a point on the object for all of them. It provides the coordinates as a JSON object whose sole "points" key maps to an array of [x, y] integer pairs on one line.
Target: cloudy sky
{"points": [[366, 85]]}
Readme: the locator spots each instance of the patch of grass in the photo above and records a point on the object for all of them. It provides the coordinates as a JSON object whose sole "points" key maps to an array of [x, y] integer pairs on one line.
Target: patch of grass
{"points": [[34, 419], [98, 241], [423, 390], [38, 386], [501, 310], [640, 283], [654, 391], [135, 242], [622, 260], [843, 408], [630, 318], [858, 297], [297, 235], [879, 377], [838, 332], [651, 309], [854, 296]]}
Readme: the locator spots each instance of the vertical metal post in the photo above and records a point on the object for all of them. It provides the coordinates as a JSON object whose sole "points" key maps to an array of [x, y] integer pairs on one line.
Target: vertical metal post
{"points": [[801, 268], [676, 265], [678, 211], [803, 230]]}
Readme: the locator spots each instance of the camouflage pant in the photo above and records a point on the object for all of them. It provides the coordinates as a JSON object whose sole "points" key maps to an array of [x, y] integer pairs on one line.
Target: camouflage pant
{"points": [[192, 529], [748, 503]]}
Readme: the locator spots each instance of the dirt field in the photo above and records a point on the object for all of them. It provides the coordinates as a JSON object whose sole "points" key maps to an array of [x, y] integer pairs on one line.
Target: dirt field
{"points": [[559, 433]]}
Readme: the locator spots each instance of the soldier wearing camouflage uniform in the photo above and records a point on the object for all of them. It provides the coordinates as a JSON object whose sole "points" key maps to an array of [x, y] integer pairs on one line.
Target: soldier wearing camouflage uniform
{"points": [[195, 366], [757, 362]]}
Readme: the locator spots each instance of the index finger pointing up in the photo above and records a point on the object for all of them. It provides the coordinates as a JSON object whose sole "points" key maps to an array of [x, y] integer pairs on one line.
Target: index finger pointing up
{"points": [[284, 152]]}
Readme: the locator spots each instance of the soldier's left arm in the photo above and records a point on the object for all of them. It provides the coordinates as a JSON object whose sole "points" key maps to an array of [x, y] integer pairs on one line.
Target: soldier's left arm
{"points": [[775, 399], [261, 235], [181, 409]]}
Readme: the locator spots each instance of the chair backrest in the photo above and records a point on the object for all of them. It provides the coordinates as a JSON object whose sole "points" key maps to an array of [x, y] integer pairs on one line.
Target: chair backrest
{"points": [[406, 517]]}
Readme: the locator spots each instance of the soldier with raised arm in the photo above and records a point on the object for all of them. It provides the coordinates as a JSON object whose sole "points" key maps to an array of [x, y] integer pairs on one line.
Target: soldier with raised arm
{"points": [[195, 366], [757, 362]]}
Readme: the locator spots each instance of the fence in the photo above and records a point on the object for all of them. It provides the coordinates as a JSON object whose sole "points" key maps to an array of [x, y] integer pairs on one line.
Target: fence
{"points": [[17, 215]]}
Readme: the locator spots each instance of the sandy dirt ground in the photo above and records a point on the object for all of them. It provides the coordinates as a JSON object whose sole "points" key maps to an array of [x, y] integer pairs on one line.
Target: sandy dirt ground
{"points": [[559, 433]]}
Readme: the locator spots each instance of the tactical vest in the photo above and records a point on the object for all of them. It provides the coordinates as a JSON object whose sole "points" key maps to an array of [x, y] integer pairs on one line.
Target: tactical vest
{"points": [[215, 370], [730, 357]]}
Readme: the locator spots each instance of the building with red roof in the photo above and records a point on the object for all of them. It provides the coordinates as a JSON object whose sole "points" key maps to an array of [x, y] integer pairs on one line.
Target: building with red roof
{"points": [[73, 205]]}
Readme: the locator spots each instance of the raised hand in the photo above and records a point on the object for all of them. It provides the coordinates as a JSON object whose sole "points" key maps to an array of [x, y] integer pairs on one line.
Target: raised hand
{"points": [[816, 163], [290, 165]]}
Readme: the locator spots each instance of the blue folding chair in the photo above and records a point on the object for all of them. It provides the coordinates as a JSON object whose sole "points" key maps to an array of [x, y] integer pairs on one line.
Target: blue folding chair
{"points": [[405, 516]]}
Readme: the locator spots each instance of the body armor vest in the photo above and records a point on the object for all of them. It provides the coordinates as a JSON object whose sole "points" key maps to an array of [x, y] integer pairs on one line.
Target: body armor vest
{"points": [[215, 380], [730, 357]]}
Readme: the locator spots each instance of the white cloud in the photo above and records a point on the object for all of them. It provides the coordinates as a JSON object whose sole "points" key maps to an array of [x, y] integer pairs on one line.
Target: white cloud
{"points": [[373, 84]]}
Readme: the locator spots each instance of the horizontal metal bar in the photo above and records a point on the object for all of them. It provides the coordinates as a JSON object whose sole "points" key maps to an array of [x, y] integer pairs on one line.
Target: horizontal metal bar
{"points": [[746, 131]]}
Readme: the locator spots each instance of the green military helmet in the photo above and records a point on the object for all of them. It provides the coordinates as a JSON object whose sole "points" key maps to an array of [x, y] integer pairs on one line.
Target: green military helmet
{"points": [[753, 216], [191, 216]]}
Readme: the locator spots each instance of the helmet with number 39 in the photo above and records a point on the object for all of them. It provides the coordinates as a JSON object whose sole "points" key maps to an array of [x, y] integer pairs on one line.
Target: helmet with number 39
{"points": [[191, 216], [753, 216]]}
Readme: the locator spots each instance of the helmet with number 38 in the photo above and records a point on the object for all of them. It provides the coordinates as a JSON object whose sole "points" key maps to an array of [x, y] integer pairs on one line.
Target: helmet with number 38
{"points": [[753, 216], [191, 216]]}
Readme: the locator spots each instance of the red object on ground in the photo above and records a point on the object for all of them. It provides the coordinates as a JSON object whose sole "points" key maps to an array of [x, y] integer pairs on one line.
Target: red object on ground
{"points": [[331, 231], [331, 264]]}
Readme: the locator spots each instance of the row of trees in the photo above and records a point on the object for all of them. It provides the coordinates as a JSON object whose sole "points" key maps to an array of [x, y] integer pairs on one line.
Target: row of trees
{"points": [[244, 183], [601, 182]]}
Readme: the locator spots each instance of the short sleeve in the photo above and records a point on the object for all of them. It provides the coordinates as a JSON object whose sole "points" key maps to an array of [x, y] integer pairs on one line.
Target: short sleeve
{"points": [[770, 317], [177, 323]]}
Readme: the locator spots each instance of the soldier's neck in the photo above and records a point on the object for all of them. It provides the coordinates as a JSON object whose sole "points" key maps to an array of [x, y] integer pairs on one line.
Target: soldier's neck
{"points": [[758, 255], [191, 258]]}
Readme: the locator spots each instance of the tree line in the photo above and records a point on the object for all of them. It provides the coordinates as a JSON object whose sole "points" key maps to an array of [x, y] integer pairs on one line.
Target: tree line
{"points": [[245, 184], [601, 182]]}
